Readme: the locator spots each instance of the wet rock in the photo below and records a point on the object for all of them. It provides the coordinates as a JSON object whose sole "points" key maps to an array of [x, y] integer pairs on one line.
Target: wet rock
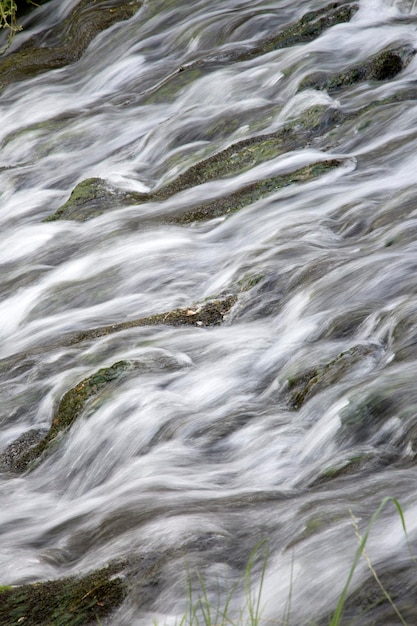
{"points": [[209, 314], [70, 408], [383, 66], [204, 211], [10, 458], [251, 193], [304, 385], [25, 452], [365, 414], [309, 27], [93, 197], [66, 42], [67, 601], [368, 605]]}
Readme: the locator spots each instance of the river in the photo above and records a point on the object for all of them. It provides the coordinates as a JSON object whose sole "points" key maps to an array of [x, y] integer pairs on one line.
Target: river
{"points": [[289, 419]]}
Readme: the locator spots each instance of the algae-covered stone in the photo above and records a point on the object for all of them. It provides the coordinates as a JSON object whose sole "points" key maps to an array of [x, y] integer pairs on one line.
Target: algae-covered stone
{"points": [[211, 313], [65, 43], [309, 27], [383, 66], [70, 408], [304, 385], [25, 452], [93, 197], [63, 602], [252, 193], [246, 154], [365, 414]]}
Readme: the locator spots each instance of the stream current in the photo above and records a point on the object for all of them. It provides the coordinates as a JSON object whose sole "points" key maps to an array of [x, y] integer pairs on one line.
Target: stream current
{"points": [[203, 453]]}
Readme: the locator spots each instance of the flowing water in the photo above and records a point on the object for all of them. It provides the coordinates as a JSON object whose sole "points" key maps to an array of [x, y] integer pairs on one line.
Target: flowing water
{"points": [[205, 450]]}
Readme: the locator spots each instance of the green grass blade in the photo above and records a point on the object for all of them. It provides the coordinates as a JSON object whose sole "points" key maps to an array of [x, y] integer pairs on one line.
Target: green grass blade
{"points": [[335, 621]]}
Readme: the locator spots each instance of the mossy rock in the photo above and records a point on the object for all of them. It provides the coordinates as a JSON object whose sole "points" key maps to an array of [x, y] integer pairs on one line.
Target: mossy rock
{"points": [[302, 386], [211, 313], [361, 462], [65, 43], [309, 27], [26, 452], [65, 602], [249, 194], [383, 66], [70, 408], [365, 414], [93, 197]]}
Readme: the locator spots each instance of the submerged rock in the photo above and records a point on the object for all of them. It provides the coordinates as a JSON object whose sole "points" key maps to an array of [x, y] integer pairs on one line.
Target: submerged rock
{"points": [[25, 452], [309, 27], [251, 193], [383, 66], [209, 314], [22, 454], [304, 385], [93, 196], [65, 43]]}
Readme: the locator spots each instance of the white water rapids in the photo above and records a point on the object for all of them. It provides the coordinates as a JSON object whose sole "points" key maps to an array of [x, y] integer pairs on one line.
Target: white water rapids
{"points": [[201, 457]]}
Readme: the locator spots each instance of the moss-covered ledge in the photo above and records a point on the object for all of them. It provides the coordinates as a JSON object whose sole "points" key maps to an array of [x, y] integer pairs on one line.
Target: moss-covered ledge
{"points": [[95, 196], [310, 26], [20, 457], [385, 65], [65, 43], [92, 197], [27, 450], [302, 386], [249, 194], [210, 313], [64, 602]]}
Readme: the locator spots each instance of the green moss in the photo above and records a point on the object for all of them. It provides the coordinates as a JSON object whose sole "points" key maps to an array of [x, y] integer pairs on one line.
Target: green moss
{"points": [[303, 386], [383, 66], [209, 314], [93, 193], [309, 27], [171, 86], [249, 280], [70, 407], [26, 452], [92, 197], [349, 466], [64, 602], [244, 155], [251, 193], [66, 42], [364, 413]]}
